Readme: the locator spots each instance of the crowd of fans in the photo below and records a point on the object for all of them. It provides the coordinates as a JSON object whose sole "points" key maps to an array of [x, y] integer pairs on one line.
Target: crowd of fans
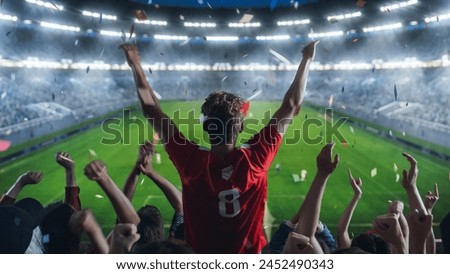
{"points": [[221, 206]]}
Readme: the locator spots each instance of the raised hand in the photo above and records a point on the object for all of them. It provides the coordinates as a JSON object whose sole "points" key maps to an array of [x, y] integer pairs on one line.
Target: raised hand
{"points": [[356, 184], [325, 164], [431, 199], [410, 177], [146, 151], [420, 226], [388, 227], [396, 207], [30, 178], [96, 170], [82, 220], [131, 53], [310, 50], [65, 160], [123, 238]]}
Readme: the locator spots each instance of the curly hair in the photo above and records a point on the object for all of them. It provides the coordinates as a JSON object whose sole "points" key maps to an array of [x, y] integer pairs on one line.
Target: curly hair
{"points": [[223, 117]]}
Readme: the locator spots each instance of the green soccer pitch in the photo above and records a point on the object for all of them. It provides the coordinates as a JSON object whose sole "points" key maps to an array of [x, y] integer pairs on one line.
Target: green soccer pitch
{"points": [[364, 152]]}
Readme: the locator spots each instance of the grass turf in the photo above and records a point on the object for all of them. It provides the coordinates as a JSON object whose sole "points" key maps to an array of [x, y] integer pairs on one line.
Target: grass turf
{"points": [[364, 152]]}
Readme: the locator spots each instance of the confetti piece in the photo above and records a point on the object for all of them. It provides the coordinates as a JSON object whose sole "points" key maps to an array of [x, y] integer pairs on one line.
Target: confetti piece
{"points": [[204, 38], [390, 132], [403, 133], [224, 78], [8, 132], [208, 5], [360, 3], [4, 145], [98, 196], [330, 101], [244, 56], [185, 42], [53, 96], [158, 158], [76, 42], [246, 18], [303, 174], [101, 18], [256, 94], [181, 17], [56, 6], [355, 40], [245, 82], [280, 57], [373, 172], [124, 36], [395, 92], [150, 70], [277, 167], [88, 69], [8, 33], [296, 178], [101, 53], [395, 167], [352, 130], [3, 95], [342, 90], [200, 2], [238, 11], [245, 107], [92, 153], [407, 104], [373, 70], [140, 15], [142, 181], [158, 96], [397, 177], [67, 159], [131, 31], [161, 53]]}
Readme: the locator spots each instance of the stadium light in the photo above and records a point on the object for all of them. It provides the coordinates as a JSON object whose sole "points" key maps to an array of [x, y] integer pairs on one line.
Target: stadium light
{"points": [[244, 25], [59, 27], [199, 24], [7, 17], [98, 15], [222, 38], [170, 37], [326, 34], [383, 27], [27, 22], [48, 5], [437, 18], [344, 16], [273, 38], [151, 22], [392, 7], [111, 33], [294, 22]]}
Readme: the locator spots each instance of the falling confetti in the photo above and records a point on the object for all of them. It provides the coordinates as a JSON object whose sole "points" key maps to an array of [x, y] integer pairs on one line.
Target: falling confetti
{"points": [[373, 172], [403, 133], [124, 36], [330, 101], [87, 69], [295, 5], [208, 5], [355, 40], [277, 167], [360, 3], [53, 96], [92, 153], [244, 56], [101, 53], [140, 15], [8, 33], [101, 18], [8, 132], [303, 174], [181, 17], [397, 177], [395, 167], [395, 92], [238, 11], [296, 178], [246, 18], [245, 82], [76, 43], [98, 196], [390, 132], [150, 70], [56, 6], [224, 78], [142, 181], [161, 53], [185, 42], [158, 158], [256, 94], [4, 145], [4, 95], [352, 130], [342, 90], [373, 70], [280, 57]]}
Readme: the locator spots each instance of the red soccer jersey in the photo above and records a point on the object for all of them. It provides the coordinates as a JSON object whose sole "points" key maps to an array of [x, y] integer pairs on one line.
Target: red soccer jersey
{"points": [[224, 200]]}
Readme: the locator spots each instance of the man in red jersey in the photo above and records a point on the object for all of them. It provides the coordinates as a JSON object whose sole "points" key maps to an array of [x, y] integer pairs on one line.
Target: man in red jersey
{"points": [[225, 188]]}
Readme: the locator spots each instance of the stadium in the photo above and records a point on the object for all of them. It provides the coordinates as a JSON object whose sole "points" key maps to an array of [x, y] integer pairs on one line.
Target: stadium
{"points": [[381, 68]]}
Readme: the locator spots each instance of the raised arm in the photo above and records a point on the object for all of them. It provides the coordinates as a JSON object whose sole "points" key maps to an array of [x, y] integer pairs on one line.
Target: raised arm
{"points": [[150, 105], [344, 240], [72, 190], [388, 227], [96, 171], [309, 213], [293, 98], [172, 193], [409, 183], [130, 184], [84, 221], [430, 201], [29, 178]]}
